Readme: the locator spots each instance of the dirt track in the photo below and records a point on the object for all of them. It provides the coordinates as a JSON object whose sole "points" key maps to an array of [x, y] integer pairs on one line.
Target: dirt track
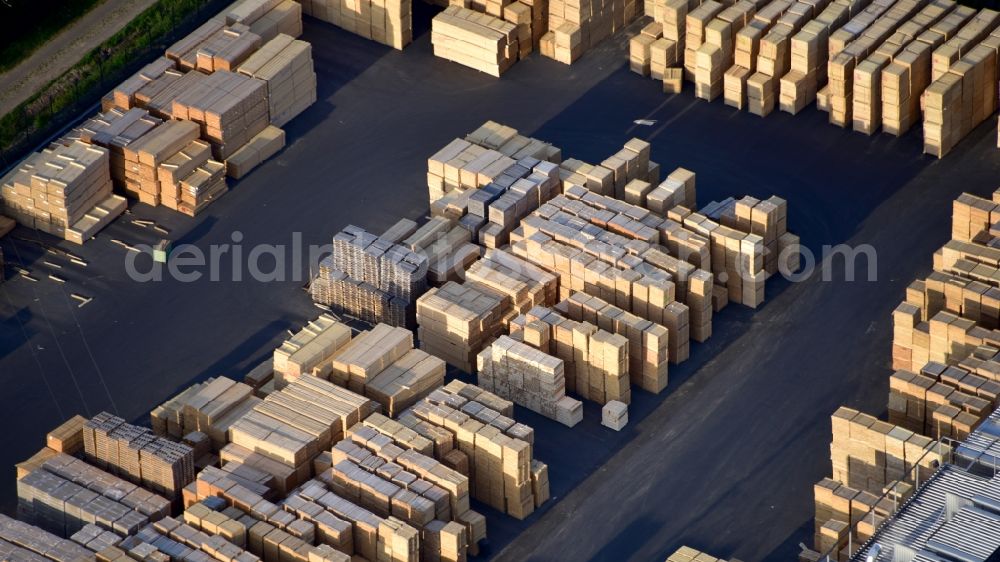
{"points": [[64, 50]]}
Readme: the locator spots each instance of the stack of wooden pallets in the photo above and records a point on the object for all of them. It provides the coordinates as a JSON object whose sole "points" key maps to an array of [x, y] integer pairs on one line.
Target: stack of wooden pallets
{"points": [[371, 278], [137, 454]]}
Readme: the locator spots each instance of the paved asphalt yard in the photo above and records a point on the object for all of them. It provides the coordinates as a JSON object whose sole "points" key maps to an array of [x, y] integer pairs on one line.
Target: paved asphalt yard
{"points": [[724, 460]]}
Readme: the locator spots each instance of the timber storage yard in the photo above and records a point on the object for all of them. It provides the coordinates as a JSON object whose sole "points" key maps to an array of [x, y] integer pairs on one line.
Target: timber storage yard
{"points": [[555, 323]]}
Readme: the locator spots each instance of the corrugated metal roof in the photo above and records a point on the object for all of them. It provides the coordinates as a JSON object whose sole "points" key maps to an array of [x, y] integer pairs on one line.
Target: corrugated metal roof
{"points": [[983, 445], [972, 532]]}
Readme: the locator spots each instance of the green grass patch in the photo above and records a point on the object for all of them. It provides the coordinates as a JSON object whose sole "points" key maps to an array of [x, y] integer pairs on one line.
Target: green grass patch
{"points": [[101, 68], [26, 25]]}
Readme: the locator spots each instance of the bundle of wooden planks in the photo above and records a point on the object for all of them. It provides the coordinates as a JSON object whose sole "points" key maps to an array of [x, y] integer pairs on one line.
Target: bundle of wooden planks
{"points": [[389, 22], [138, 455], [480, 41], [496, 450], [286, 65], [529, 377], [230, 108], [65, 190]]}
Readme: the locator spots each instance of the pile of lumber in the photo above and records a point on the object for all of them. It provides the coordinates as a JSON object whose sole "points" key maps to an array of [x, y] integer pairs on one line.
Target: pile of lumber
{"points": [[480, 41], [214, 46], [310, 350], [868, 454], [596, 361], [114, 130], [294, 424], [21, 541], [381, 364], [649, 352], [525, 285], [847, 517], [286, 65], [909, 71], [962, 98], [389, 22], [65, 190], [575, 27], [688, 554], [495, 450], [447, 245], [870, 459], [138, 455], [457, 320], [144, 156], [230, 107], [157, 96], [95, 539], [376, 537], [264, 145], [210, 407], [371, 278], [190, 180], [123, 96], [272, 533], [64, 493], [945, 401], [477, 160], [616, 232], [372, 467], [495, 209], [529, 377], [954, 310], [875, 64], [267, 18]]}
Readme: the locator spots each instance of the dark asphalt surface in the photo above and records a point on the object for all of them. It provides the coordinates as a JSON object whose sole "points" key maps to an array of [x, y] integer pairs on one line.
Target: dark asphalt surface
{"points": [[724, 460]]}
